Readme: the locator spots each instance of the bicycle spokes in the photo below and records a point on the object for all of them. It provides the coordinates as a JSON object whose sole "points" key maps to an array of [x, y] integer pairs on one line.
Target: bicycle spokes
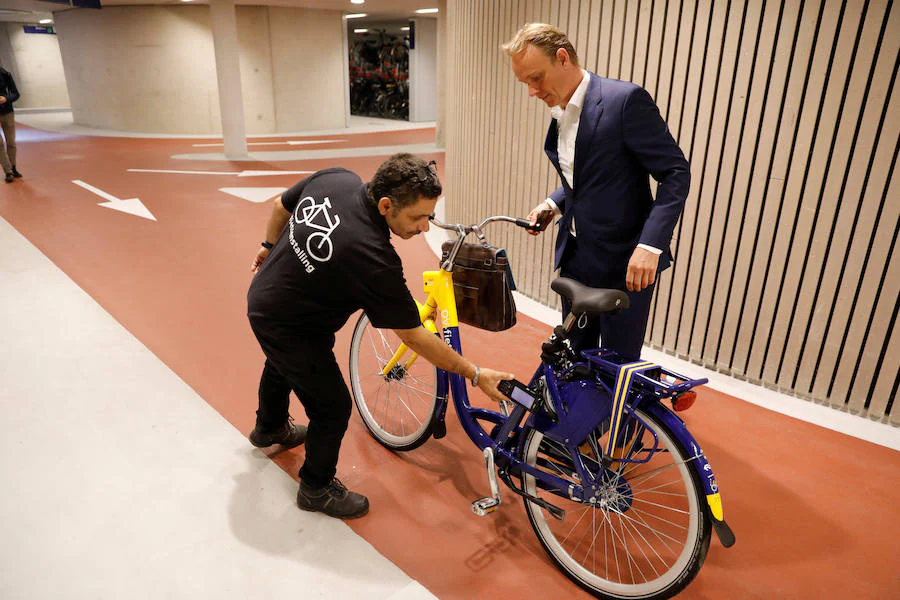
{"points": [[636, 524]]}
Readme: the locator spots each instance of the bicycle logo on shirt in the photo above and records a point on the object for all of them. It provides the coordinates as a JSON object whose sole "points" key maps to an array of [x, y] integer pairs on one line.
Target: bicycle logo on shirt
{"points": [[315, 215]]}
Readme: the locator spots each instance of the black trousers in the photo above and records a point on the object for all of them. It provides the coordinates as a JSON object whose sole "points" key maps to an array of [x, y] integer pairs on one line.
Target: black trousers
{"points": [[623, 332], [312, 372]]}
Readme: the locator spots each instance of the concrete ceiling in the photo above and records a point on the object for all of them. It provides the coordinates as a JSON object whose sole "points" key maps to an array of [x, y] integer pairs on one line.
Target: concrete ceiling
{"points": [[31, 11]]}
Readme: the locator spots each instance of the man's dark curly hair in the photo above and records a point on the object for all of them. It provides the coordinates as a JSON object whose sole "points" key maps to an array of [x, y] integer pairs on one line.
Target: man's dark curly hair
{"points": [[404, 178]]}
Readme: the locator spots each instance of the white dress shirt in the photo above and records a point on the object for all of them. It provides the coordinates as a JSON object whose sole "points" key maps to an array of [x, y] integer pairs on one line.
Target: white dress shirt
{"points": [[567, 120]]}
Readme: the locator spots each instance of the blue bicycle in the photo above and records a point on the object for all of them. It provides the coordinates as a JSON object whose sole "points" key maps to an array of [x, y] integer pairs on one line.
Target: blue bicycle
{"points": [[616, 488]]}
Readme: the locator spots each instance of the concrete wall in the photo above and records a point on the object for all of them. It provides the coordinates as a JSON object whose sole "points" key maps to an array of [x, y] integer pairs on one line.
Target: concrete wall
{"points": [[152, 68], [307, 64], [34, 61], [141, 68]]}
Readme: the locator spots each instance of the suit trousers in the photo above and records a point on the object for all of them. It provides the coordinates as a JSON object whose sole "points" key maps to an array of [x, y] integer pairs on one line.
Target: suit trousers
{"points": [[8, 150], [623, 332], [316, 379]]}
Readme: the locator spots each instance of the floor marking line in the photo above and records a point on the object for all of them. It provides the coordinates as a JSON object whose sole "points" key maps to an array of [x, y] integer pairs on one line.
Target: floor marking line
{"points": [[246, 173], [284, 143], [184, 172]]}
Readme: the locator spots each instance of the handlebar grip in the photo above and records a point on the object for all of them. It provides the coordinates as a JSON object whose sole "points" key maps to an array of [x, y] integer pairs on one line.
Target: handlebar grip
{"points": [[526, 224]]}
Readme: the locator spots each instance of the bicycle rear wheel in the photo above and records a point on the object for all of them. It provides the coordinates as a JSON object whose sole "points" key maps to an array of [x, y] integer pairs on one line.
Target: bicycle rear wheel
{"points": [[648, 533], [398, 410]]}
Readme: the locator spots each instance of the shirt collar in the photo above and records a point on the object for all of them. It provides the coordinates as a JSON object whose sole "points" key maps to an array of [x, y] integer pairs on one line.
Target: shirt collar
{"points": [[577, 98]]}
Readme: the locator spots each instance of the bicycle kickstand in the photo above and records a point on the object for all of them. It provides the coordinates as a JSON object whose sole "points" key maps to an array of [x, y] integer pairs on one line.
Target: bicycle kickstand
{"points": [[485, 506]]}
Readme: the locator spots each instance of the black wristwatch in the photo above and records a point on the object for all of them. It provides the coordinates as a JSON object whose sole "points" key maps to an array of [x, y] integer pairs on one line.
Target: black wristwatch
{"points": [[267, 245]]}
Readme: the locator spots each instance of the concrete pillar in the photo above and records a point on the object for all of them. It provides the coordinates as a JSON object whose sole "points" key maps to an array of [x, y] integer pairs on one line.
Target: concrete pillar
{"points": [[442, 69], [423, 72], [228, 75]]}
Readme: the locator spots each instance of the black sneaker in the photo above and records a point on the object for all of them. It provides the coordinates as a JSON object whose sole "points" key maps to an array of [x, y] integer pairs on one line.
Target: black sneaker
{"points": [[15, 173], [9, 177], [334, 500], [288, 435]]}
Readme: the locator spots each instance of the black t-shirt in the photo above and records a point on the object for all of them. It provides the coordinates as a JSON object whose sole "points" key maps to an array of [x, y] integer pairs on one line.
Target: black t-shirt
{"points": [[333, 257]]}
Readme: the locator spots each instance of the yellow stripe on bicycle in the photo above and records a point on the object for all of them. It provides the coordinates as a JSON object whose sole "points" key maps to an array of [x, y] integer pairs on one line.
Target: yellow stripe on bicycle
{"points": [[715, 505], [623, 385]]}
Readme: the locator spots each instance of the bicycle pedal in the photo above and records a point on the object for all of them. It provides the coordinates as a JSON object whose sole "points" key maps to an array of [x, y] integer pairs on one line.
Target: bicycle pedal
{"points": [[484, 506]]}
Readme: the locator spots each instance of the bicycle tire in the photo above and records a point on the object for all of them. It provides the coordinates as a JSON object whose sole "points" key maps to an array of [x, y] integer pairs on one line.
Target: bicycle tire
{"points": [[386, 403], [621, 519]]}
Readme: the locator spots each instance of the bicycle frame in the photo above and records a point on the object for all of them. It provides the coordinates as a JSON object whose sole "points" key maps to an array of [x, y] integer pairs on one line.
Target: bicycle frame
{"points": [[578, 410]]}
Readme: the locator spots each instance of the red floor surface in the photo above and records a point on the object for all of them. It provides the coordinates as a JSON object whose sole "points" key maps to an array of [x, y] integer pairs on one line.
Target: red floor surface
{"points": [[815, 512]]}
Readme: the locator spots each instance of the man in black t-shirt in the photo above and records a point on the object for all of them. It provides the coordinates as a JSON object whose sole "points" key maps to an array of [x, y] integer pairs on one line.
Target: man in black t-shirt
{"points": [[333, 256]]}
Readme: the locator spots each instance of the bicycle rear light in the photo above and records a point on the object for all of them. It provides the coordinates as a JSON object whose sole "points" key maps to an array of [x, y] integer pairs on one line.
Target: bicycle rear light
{"points": [[684, 400]]}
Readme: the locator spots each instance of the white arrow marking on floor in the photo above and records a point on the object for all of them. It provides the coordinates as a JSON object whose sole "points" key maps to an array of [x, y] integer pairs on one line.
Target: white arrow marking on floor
{"points": [[132, 206], [232, 173], [256, 195], [288, 142], [262, 173]]}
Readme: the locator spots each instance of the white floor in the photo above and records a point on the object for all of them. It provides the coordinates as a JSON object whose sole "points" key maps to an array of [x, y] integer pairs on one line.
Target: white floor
{"points": [[119, 481]]}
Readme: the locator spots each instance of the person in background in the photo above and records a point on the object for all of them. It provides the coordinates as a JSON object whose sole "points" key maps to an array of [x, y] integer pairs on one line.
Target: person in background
{"points": [[606, 138], [8, 95]]}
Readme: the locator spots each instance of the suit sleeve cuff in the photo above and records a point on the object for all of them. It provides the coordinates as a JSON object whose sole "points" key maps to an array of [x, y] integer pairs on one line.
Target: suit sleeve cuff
{"points": [[656, 251]]}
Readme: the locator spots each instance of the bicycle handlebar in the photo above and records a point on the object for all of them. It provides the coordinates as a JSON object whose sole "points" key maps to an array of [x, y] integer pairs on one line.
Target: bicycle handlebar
{"points": [[464, 230]]}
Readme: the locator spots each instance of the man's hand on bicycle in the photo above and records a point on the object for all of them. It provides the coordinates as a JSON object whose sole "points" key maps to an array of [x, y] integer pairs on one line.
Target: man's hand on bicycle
{"points": [[488, 380], [539, 217]]}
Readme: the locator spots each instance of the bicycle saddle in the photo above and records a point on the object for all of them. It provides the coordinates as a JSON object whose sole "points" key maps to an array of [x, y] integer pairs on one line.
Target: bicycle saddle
{"points": [[588, 300]]}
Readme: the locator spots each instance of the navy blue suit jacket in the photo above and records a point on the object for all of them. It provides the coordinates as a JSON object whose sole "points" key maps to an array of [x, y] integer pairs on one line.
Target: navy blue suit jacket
{"points": [[622, 140]]}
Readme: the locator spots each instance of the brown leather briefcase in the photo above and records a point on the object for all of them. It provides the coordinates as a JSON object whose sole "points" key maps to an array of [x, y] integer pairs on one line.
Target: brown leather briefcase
{"points": [[483, 286]]}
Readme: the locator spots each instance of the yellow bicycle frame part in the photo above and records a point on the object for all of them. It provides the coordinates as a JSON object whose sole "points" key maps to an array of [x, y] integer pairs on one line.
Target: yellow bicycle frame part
{"points": [[439, 287]]}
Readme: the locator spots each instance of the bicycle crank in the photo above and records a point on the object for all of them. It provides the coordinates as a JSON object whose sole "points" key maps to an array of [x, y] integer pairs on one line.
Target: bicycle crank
{"points": [[485, 506]]}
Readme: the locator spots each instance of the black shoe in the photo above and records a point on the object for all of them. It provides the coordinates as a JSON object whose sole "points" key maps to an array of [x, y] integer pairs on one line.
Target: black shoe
{"points": [[15, 173], [9, 177], [288, 435], [334, 500]]}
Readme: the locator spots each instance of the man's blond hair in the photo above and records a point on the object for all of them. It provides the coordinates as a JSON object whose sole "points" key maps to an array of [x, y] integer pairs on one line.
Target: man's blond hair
{"points": [[546, 38]]}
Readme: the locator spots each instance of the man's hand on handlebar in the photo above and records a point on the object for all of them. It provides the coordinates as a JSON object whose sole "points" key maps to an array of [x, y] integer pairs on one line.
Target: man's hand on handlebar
{"points": [[539, 217]]}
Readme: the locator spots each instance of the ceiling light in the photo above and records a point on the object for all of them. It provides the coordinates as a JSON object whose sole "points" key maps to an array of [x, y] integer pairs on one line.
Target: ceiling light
{"points": [[404, 29], [425, 11], [357, 1], [45, 21], [360, 31], [356, 15]]}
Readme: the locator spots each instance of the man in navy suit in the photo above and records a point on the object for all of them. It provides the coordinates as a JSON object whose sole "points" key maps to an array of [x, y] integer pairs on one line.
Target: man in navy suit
{"points": [[606, 139]]}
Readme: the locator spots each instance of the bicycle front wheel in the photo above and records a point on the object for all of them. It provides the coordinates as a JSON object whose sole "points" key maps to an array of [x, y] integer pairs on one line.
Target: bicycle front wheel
{"points": [[397, 408], [647, 534]]}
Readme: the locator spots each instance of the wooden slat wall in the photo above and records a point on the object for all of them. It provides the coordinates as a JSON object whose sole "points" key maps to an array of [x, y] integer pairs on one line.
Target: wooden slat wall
{"points": [[786, 269]]}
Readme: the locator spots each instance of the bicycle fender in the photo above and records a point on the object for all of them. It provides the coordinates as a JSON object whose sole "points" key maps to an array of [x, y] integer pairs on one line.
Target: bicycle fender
{"points": [[701, 466]]}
